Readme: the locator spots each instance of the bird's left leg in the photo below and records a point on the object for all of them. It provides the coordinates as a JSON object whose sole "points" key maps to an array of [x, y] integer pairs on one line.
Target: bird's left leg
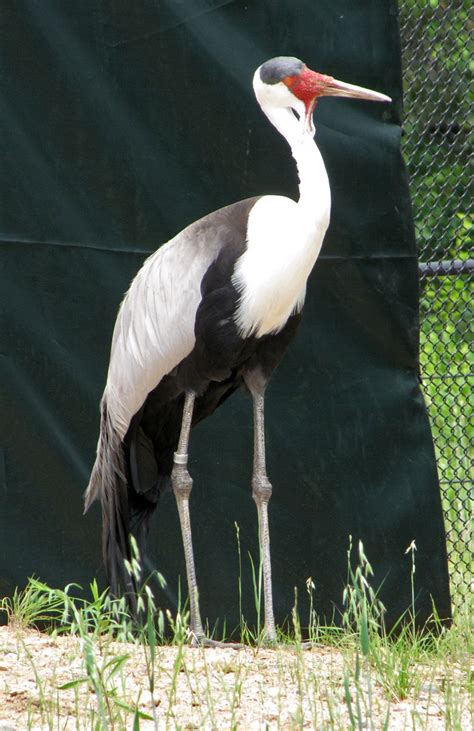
{"points": [[261, 493]]}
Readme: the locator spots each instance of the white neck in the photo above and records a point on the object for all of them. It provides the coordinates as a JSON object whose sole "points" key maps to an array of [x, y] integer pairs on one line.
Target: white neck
{"points": [[284, 238], [315, 194]]}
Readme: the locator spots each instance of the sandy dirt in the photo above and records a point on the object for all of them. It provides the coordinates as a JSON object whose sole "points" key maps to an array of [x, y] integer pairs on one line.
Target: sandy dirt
{"points": [[195, 688]]}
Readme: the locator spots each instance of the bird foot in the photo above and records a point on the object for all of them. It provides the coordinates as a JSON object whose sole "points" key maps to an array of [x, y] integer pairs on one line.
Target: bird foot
{"points": [[203, 641], [268, 644], [269, 641], [309, 645]]}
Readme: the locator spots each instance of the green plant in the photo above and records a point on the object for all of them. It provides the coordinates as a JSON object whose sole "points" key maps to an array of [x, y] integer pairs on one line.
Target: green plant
{"points": [[32, 607], [354, 678], [363, 611]]}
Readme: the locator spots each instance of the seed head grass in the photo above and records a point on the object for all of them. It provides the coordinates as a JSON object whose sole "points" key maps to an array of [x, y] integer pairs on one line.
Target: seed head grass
{"points": [[93, 665]]}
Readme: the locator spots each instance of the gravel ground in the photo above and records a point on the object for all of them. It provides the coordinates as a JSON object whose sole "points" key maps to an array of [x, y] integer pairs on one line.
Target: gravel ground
{"points": [[200, 688]]}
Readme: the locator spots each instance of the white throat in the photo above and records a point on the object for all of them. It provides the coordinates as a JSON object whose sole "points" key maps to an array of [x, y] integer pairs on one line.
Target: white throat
{"points": [[315, 194], [284, 238]]}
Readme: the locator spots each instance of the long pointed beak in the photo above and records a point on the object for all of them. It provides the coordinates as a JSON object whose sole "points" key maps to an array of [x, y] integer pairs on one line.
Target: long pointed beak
{"points": [[340, 88], [310, 85]]}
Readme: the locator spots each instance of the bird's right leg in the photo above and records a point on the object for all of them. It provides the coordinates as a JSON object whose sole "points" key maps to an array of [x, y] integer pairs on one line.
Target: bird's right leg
{"points": [[182, 483]]}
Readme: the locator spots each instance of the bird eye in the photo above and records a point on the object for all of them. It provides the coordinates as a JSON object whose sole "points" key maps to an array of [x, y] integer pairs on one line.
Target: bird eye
{"points": [[289, 81]]}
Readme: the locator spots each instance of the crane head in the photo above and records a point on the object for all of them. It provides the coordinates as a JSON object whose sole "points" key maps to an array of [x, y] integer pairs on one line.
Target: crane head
{"points": [[285, 81]]}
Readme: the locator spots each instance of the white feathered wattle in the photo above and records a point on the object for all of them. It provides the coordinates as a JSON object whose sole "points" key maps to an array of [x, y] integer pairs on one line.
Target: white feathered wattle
{"points": [[284, 238]]}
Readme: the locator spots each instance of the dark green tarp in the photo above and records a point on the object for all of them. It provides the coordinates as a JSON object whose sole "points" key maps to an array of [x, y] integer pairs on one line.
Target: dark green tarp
{"points": [[121, 122]]}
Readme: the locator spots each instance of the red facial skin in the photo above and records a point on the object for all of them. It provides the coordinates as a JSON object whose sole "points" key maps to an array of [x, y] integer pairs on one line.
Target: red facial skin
{"points": [[307, 86]]}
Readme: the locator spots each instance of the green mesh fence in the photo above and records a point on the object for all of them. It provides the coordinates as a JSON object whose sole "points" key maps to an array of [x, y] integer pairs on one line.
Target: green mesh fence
{"points": [[437, 70]]}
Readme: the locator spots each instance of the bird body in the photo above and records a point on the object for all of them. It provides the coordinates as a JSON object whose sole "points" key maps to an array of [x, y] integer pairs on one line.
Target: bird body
{"points": [[154, 330], [271, 275], [212, 310]]}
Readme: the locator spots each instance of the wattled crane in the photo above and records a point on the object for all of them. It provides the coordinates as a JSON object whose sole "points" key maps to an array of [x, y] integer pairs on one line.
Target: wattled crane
{"points": [[211, 311]]}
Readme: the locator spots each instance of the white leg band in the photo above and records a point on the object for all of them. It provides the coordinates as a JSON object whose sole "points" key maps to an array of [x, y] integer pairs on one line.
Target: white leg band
{"points": [[180, 458]]}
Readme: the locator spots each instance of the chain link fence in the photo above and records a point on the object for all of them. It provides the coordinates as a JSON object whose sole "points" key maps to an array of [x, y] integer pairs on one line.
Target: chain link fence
{"points": [[437, 68]]}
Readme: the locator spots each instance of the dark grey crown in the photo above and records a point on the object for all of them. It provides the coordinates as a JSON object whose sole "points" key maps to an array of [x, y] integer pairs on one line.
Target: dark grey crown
{"points": [[276, 69]]}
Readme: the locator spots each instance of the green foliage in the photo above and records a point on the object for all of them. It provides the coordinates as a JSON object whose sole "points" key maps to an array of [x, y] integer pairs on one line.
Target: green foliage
{"points": [[372, 671], [32, 607], [446, 364], [437, 68], [437, 121], [363, 610]]}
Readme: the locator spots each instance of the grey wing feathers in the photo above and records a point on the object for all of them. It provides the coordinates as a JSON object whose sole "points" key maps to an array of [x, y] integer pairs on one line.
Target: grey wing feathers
{"points": [[155, 325], [154, 331]]}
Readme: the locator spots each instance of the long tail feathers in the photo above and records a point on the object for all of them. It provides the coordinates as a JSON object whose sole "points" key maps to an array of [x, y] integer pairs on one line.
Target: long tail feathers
{"points": [[108, 483]]}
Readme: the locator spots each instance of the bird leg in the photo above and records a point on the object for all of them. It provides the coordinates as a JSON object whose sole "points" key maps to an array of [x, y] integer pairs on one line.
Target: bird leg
{"points": [[182, 483], [261, 493]]}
